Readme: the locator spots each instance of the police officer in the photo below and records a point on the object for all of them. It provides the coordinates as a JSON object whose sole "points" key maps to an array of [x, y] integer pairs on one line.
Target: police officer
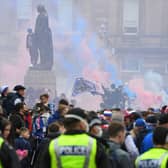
{"points": [[156, 157], [75, 148], [8, 158]]}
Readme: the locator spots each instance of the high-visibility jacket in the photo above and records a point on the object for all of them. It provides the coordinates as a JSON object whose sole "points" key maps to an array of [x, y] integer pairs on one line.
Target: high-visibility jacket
{"points": [[154, 158], [73, 151], [1, 142]]}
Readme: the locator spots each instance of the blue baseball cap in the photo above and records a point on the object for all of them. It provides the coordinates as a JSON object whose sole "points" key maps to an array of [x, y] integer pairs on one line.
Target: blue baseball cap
{"points": [[140, 123]]}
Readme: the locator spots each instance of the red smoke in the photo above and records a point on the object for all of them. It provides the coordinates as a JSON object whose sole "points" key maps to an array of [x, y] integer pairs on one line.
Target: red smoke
{"points": [[145, 99]]}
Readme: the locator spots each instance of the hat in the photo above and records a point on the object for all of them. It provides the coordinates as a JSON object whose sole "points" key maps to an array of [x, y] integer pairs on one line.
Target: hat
{"points": [[95, 121], [19, 87], [135, 116], [140, 123], [163, 119], [151, 119], [3, 88], [127, 114], [107, 113], [64, 102], [118, 117], [76, 113]]}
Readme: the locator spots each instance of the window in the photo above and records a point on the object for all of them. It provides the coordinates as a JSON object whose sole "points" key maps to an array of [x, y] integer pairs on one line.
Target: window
{"points": [[130, 17], [130, 65]]}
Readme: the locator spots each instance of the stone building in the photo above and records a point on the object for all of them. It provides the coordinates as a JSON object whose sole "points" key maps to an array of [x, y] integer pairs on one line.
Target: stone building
{"points": [[136, 32]]}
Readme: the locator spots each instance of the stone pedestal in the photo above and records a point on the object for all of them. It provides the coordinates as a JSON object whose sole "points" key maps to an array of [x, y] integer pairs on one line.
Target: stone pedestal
{"points": [[41, 79]]}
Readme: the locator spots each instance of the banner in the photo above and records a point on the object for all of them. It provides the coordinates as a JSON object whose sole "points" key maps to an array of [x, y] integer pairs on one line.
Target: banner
{"points": [[81, 85]]}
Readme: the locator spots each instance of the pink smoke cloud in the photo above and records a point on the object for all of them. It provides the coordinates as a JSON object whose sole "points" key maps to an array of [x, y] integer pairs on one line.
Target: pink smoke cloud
{"points": [[91, 70], [13, 74], [96, 75], [85, 52], [145, 99]]}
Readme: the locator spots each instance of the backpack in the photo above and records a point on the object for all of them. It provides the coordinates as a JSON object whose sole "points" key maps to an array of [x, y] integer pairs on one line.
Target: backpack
{"points": [[112, 157]]}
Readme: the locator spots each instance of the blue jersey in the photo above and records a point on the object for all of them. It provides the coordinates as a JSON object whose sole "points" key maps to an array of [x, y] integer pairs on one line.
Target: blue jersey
{"points": [[147, 142], [40, 124]]}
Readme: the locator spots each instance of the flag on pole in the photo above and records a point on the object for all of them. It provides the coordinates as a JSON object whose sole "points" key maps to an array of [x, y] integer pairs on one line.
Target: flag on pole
{"points": [[81, 85]]}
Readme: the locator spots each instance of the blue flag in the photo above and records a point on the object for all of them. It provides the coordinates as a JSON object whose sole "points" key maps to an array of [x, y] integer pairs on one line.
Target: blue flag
{"points": [[81, 85]]}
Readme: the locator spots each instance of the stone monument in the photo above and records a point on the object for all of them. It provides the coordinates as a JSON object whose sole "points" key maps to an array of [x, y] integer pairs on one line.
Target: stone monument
{"points": [[41, 80], [39, 43]]}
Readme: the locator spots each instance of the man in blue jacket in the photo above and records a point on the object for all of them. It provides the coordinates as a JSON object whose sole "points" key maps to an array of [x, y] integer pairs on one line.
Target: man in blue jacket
{"points": [[148, 140], [63, 108]]}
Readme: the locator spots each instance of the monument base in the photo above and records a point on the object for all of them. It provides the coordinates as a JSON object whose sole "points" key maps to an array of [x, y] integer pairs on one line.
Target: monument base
{"points": [[41, 79]]}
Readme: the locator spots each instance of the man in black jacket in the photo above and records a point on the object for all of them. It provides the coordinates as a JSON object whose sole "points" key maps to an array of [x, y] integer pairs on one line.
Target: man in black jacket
{"points": [[13, 98], [53, 132], [76, 128], [17, 119]]}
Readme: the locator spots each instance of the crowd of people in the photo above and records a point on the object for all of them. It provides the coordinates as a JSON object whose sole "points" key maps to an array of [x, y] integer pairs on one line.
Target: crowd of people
{"points": [[116, 96], [71, 137]]}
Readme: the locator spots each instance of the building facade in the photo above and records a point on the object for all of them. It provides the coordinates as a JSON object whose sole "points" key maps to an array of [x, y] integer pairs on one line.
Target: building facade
{"points": [[136, 32]]}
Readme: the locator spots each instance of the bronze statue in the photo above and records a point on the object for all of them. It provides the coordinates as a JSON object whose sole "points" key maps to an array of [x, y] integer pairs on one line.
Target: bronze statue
{"points": [[43, 45]]}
